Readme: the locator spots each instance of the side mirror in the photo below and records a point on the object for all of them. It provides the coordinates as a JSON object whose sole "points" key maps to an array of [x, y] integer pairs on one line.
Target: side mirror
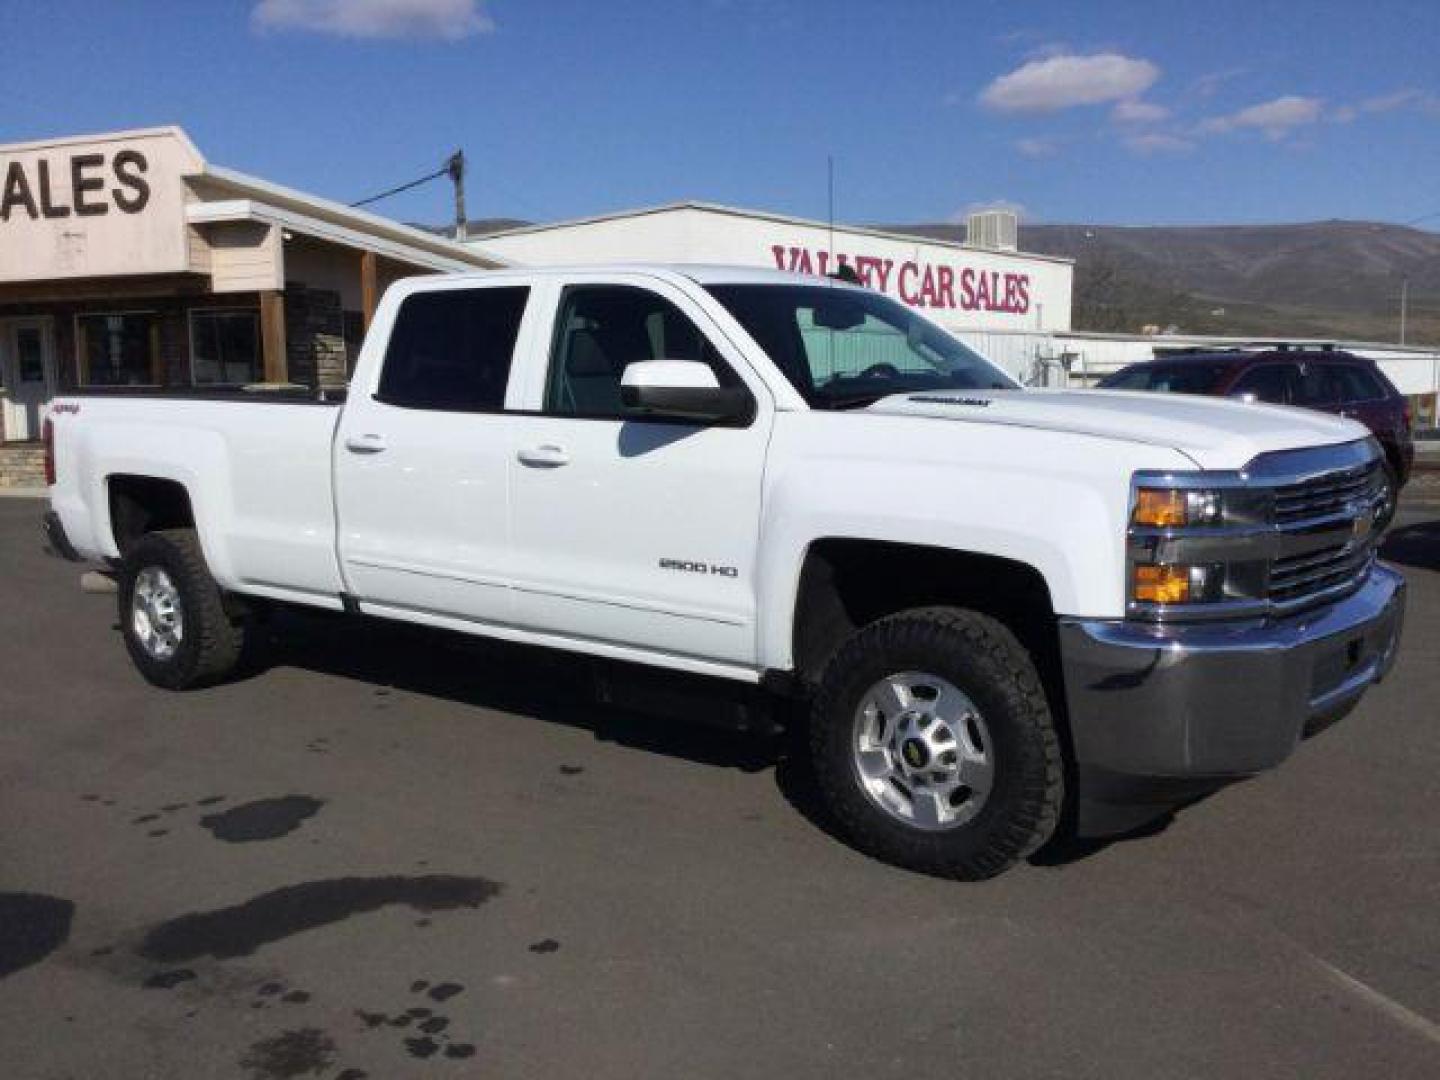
{"points": [[683, 390]]}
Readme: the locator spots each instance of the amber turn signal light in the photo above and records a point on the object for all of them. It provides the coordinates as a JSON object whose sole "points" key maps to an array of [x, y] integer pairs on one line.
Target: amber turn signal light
{"points": [[1159, 508], [1162, 584]]}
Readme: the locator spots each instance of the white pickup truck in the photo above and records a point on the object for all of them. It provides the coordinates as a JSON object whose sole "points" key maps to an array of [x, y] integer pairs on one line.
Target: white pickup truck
{"points": [[998, 603]]}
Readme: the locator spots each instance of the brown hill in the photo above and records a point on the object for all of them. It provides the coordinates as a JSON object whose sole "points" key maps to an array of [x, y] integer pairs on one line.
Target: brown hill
{"points": [[1314, 279]]}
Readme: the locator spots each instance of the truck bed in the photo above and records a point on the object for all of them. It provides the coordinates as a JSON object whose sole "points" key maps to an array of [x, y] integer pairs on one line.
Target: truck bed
{"points": [[257, 468]]}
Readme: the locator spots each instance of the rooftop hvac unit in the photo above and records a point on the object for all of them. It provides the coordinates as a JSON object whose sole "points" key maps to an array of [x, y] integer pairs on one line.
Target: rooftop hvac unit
{"points": [[997, 230]]}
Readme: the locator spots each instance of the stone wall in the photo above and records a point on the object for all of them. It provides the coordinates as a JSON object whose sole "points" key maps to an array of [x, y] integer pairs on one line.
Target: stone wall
{"points": [[316, 346]]}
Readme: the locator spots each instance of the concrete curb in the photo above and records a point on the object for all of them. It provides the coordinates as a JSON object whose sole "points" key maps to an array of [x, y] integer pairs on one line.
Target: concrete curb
{"points": [[24, 492]]}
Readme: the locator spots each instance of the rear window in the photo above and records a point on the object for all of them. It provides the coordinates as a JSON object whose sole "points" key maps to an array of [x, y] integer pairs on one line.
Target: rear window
{"points": [[1172, 378], [450, 350]]}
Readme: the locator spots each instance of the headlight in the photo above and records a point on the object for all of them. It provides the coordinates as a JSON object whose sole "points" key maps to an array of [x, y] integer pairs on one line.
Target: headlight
{"points": [[1192, 545], [1162, 508], [1178, 584]]}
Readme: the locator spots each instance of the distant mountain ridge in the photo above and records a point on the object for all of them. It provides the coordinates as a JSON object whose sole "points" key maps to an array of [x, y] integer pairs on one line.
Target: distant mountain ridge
{"points": [[1313, 279]]}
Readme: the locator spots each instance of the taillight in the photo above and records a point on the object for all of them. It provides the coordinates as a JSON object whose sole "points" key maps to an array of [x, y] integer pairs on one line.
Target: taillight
{"points": [[1407, 415], [48, 434]]}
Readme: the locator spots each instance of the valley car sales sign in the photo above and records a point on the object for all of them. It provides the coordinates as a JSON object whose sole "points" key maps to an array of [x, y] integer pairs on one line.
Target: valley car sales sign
{"points": [[923, 284], [95, 207]]}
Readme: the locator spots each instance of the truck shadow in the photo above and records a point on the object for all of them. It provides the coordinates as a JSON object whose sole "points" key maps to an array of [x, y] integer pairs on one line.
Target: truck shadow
{"points": [[708, 721], [1415, 545]]}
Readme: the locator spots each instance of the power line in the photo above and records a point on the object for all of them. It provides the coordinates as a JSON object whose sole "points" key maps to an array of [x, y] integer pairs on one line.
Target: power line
{"points": [[444, 170]]}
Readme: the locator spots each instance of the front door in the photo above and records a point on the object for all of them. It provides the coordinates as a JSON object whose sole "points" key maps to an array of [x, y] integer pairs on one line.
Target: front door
{"points": [[629, 530], [27, 374]]}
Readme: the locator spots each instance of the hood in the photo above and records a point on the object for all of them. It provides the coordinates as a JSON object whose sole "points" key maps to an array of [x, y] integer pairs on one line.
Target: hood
{"points": [[1215, 433]]}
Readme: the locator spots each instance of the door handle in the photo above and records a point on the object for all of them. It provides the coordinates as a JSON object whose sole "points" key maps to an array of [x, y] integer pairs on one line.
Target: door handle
{"points": [[548, 456], [365, 444]]}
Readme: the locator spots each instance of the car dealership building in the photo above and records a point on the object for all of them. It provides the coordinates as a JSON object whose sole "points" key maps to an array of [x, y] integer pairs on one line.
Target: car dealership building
{"points": [[984, 284], [129, 260]]}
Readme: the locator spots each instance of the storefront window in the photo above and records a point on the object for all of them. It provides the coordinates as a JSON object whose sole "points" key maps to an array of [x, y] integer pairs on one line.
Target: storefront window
{"points": [[118, 349], [225, 347]]}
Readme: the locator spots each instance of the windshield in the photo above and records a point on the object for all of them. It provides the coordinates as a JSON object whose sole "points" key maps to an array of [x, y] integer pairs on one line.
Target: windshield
{"points": [[845, 348], [1190, 378]]}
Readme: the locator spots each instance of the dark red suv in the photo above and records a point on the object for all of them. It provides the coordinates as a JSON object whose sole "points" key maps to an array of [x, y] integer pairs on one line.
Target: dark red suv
{"points": [[1325, 379]]}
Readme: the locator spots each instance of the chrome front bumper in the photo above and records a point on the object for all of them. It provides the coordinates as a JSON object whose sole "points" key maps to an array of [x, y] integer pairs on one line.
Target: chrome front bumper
{"points": [[1160, 713]]}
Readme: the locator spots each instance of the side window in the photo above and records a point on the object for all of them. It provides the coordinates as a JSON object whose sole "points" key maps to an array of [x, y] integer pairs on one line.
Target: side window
{"points": [[1317, 388], [450, 350], [1270, 383], [1357, 384], [600, 329]]}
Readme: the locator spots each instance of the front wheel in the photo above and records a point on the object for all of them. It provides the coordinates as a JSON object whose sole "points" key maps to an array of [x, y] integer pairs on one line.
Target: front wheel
{"points": [[173, 615], [933, 744]]}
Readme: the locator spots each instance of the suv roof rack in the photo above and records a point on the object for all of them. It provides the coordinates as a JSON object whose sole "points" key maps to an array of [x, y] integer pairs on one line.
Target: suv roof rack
{"points": [[1289, 346]]}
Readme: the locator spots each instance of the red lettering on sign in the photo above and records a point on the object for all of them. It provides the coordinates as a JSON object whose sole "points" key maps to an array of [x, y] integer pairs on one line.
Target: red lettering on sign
{"points": [[907, 272], [778, 252], [945, 287], [967, 289], [1023, 288]]}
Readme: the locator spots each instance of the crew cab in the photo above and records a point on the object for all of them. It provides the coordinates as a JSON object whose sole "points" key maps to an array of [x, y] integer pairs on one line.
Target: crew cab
{"points": [[994, 602]]}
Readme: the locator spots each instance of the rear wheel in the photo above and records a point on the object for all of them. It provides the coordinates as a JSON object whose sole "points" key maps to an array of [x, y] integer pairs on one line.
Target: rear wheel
{"points": [[173, 615], [933, 744]]}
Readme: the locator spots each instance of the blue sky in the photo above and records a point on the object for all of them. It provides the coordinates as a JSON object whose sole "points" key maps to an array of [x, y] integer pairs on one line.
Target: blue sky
{"points": [[1118, 112]]}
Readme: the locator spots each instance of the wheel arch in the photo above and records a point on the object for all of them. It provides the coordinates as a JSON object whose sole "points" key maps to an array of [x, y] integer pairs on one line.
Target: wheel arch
{"points": [[847, 583]]}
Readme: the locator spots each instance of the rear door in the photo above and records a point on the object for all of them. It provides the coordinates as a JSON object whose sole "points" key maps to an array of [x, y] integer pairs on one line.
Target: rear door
{"points": [[1365, 398], [631, 530], [423, 453], [1272, 383]]}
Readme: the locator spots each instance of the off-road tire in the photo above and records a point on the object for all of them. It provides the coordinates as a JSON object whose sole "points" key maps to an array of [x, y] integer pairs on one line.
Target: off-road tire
{"points": [[213, 641], [983, 659]]}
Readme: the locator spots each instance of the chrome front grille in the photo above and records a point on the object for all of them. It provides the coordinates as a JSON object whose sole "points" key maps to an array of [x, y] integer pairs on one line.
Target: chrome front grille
{"points": [[1326, 495], [1300, 577], [1325, 527]]}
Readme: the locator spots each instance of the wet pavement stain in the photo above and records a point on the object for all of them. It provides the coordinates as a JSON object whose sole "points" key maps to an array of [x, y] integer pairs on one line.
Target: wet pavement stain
{"points": [[210, 800], [32, 926], [571, 770], [301, 1052], [424, 1047], [240, 930], [446, 991], [264, 819], [168, 980], [548, 945], [460, 1051], [352, 1074]]}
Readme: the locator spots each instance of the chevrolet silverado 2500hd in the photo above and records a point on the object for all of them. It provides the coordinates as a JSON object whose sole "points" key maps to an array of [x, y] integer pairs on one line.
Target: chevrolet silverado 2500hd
{"points": [[992, 598]]}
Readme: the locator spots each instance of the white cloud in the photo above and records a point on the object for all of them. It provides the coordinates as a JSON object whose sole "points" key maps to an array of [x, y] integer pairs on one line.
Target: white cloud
{"points": [[1138, 112], [1061, 82], [1384, 103], [447, 20], [1153, 143], [1207, 85], [1275, 119], [1036, 148]]}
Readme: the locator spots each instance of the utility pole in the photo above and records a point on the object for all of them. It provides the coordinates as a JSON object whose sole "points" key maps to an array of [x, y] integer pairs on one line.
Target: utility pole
{"points": [[1404, 301], [456, 167]]}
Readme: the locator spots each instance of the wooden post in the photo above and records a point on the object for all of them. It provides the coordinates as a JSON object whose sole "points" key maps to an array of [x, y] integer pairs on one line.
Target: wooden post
{"points": [[368, 286], [272, 336]]}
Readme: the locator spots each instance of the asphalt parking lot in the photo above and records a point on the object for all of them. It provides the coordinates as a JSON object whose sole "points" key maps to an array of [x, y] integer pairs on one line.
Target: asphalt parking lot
{"points": [[386, 853]]}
